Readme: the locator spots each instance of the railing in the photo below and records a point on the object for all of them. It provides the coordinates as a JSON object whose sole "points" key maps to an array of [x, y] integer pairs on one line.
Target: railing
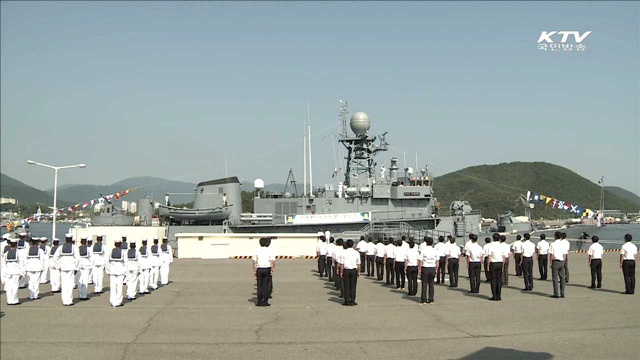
{"points": [[396, 230]]}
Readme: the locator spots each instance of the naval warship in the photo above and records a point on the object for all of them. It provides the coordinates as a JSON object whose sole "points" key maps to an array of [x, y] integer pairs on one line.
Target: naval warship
{"points": [[367, 200]]}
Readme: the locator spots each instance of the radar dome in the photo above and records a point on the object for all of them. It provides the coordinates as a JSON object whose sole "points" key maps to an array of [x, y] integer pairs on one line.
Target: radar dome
{"points": [[360, 123], [258, 184]]}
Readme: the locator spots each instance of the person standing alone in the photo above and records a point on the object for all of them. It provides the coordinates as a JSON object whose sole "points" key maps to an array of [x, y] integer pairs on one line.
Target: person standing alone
{"points": [[595, 262], [263, 266], [628, 254]]}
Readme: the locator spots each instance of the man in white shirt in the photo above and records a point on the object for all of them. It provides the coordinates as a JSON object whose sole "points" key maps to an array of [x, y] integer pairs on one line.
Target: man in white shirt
{"points": [[516, 247], [453, 255], [496, 265], [362, 249], [526, 262], [318, 245], [474, 264], [542, 249], [411, 267], [507, 251], [321, 251], [371, 255], [441, 249], [398, 264], [331, 251], [465, 252], [350, 272], [389, 256], [380, 260], [485, 259], [263, 267], [428, 264], [628, 254], [595, 262], [337, 260], [558, 252], [567, 244]]}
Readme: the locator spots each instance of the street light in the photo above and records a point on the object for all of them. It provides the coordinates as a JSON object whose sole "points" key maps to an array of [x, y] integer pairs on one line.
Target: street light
{"points": [[55, 188]]}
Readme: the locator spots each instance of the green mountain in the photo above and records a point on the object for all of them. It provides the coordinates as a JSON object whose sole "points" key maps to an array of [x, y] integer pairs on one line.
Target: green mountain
{"points": [[496, 188], [25, 194], [626, 194]]}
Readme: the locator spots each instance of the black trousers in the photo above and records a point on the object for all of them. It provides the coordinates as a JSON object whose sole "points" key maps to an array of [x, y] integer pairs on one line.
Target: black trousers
{"points": [[350, 282], [380, 267], [339, 283], [426, 276], [496, 279], [517, 257], [264, 288], [370, 260], [400, 274], [363, 262], [475, 268], [505, 272], [453, 272], [412, 276], [390, 272], [322, 265], [335, 276], [527, 272], [629, 273], [441, 270], [596, 272], [566, 269], [487, 273], [329, 268], [543, 266]]}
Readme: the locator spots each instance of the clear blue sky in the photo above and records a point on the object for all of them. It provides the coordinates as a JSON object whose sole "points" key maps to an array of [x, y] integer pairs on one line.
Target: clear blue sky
{"points": [[166, 89]]}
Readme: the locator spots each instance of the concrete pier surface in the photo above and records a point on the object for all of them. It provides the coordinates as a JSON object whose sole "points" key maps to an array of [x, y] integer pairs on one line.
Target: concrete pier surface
{"points": [[208, 312]]}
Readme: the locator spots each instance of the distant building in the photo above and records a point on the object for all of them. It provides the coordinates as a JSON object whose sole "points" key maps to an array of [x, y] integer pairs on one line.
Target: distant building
{"points": [[133, 208], [125, 205], [4, 200]]}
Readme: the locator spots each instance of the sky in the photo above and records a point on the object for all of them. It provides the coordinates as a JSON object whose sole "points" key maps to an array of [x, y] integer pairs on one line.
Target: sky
{"points": [[173, 89]]}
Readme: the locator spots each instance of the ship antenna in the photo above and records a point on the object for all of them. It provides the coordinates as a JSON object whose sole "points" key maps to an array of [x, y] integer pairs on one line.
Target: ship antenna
{"points": [[304, 131], [310, 158]]}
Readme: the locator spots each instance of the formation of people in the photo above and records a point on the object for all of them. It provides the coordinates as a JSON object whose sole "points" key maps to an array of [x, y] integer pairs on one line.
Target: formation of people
{"points": [[70, 266], [403, 261]]}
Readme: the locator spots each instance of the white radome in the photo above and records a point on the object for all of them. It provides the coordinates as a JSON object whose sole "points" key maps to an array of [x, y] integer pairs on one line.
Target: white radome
{"points": [[360, 123], [258, 184]]}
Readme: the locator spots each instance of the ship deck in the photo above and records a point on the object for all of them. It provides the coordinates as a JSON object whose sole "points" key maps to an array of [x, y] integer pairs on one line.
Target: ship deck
{"points": [[208, 312]]}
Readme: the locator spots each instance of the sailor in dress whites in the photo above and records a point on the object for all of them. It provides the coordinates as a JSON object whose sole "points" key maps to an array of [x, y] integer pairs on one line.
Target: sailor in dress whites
{"points": [[155, 262], [166, 258], [542, 251], [13, 267], [350, 270], [411, 267], [371, 256], [453, 255], [90, 246], [99, 260], [516, 247], [67, 257], [474, 264], [34, 265], [628, 254], [145, 266], [123, 244], [485, 259], [389, 256], [263, 267], [54, 267], [133, 269], [496, 266], [85, 264], [23, 247], [379, 260], [441, 248], [45, 248], [116, 270], [526, 260], [4, 247], [427, 268], [595, 262], [398, 264]]}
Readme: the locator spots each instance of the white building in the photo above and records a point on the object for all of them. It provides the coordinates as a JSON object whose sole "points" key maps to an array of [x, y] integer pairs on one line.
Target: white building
{"points": [[4, 200]]}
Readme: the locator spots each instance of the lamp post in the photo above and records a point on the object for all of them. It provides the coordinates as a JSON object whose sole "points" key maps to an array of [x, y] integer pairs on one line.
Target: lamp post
{"points": [[55, 188]]}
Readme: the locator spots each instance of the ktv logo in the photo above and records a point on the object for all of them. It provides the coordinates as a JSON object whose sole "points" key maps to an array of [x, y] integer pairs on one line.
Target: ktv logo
{"points": [[546, 40]]}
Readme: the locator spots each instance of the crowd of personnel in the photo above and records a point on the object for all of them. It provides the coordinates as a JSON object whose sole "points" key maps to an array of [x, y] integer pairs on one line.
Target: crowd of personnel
{"points": [[26, 262]]}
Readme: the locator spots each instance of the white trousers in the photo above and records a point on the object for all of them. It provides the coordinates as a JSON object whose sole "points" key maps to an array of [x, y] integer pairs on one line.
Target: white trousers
{"points": [[76, 279], [54, 275], [164, 274], [144, 281], [34, 284], [115, 284], [90, 270], [43, 275], [11, 288], [132, 282], [67, 282], [153, 277], [97, 274], [83, 283], [22, 281]]}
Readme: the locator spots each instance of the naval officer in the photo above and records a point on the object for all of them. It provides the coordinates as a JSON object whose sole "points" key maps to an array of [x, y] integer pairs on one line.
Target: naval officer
{"points": [[116, 270], [166, 258], [362, 249], [45, 248], [485, 259], [331, 252], [98, 261], [69, 260], [474, 264], [558, 253], [155, 262], [427, 268], [90, 246], [264, 262], [371, 255], [411, 267], [35, 262], [567, 244], [379, 260], [13, 268], [337, 262], [85, 265], [526, 262], [389, 256], [398, 264], [441, 248], [143, 261], [496, 266], [321, 251], [595, 262], [542, 249], [54, 267], [516, 247], [628, 254], [350, 270], [453, 254], [132, 270], [22, 251], [318, 246]]}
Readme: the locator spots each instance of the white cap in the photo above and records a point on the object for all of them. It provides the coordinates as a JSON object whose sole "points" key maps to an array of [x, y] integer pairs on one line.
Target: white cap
{"points": [[6, 236], [22, 233]]}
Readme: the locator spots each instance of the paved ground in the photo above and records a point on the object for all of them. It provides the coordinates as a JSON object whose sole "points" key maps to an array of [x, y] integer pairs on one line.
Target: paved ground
{"points": [[207, 312]]}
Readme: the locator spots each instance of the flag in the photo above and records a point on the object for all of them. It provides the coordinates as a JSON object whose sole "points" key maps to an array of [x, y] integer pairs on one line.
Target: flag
{"points": [[601, 180], [84, 204], [335, 172], [117, 195], [548, 200]]}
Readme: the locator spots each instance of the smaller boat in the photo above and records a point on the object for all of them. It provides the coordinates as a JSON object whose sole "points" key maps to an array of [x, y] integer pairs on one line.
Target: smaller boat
{"points": [[208, 215]]}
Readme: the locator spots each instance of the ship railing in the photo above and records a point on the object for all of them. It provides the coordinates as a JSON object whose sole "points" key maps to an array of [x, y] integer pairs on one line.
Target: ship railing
{"points": [[451, 213], [398, 215]]}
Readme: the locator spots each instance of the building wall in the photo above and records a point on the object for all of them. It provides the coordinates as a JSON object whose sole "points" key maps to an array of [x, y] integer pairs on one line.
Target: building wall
{"points": [[111, 233]]}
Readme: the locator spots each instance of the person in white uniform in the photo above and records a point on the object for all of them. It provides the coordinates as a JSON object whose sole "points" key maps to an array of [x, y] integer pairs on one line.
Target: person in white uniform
{"points": [[362, 250], [116, 270], [14, 267], [90, 246], [516, 248], [5, 245], [474, 264], [428, 264], [54, 267], [411, 267], [441, 248], [507, 251], [542, 251], [371, 255], [85, 265], [45, 248], [145, 266], [496, 266], [67, 257], [595, 262], [558, 252], [398, 264], [526, 261], [263, 267], [321, 256], [389, 256], [485, 259], [23, 247], [331, 253], [99, 261], [379, 260], [628, 254], [166, 258], [133, 269], [337, 262], [34, 265], [350, 271], [453, 255], [154, 261]]}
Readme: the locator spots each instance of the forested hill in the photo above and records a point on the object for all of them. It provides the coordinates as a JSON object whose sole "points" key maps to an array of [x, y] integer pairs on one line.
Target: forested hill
{"points": [[496, 188]]}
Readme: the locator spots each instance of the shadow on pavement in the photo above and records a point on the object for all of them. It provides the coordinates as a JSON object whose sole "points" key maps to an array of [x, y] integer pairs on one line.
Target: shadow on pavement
{"points": [[498, 353], [596, 289]]}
